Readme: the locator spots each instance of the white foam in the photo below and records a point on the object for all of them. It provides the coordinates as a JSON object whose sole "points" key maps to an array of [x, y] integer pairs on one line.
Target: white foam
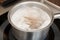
{"points": [[19, 21]]}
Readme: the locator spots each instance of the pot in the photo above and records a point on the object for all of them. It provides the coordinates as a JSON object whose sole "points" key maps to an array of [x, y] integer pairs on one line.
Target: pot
{"points": [[31, 35]]}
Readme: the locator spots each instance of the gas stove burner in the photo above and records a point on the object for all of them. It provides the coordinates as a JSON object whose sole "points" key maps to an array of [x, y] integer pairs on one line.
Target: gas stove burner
{"points": [[9, 36], [6, 34]]}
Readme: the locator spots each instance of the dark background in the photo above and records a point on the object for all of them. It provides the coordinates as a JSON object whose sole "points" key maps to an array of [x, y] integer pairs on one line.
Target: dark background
{"points": [[57, 2]]}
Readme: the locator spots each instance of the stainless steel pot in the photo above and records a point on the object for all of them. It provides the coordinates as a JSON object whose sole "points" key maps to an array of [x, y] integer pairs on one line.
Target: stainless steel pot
{"points": [[34, 35]]}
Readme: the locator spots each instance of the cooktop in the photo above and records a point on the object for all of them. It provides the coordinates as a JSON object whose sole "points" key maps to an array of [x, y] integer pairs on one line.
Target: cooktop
{"points": [[6, 34]]}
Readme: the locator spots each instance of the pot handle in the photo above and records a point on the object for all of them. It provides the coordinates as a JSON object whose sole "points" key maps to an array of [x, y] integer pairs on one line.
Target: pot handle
{"points": [[57, 15]]}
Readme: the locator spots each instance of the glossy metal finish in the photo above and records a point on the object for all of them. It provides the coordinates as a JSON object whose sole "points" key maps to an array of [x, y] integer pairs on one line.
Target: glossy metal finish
{"points": [[38, 35], [35, 35]]}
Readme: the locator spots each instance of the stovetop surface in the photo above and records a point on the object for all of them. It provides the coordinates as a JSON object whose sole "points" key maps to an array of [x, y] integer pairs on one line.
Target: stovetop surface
{"points": [[5, 29]]}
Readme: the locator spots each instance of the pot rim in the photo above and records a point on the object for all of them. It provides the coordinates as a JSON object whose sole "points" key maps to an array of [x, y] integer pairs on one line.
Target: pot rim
{"points": [[52, 16]]}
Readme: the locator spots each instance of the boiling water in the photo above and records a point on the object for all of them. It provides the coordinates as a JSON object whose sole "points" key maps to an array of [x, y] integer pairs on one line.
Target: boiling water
{"points": [[30, 19]]}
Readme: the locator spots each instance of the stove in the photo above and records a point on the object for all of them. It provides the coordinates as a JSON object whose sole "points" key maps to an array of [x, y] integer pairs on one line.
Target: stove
{"points": [[6, 34]]}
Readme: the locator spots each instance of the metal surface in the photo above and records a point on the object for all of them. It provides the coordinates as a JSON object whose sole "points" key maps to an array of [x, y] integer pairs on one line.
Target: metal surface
{"points": [[34, 35], [5, 25]]}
